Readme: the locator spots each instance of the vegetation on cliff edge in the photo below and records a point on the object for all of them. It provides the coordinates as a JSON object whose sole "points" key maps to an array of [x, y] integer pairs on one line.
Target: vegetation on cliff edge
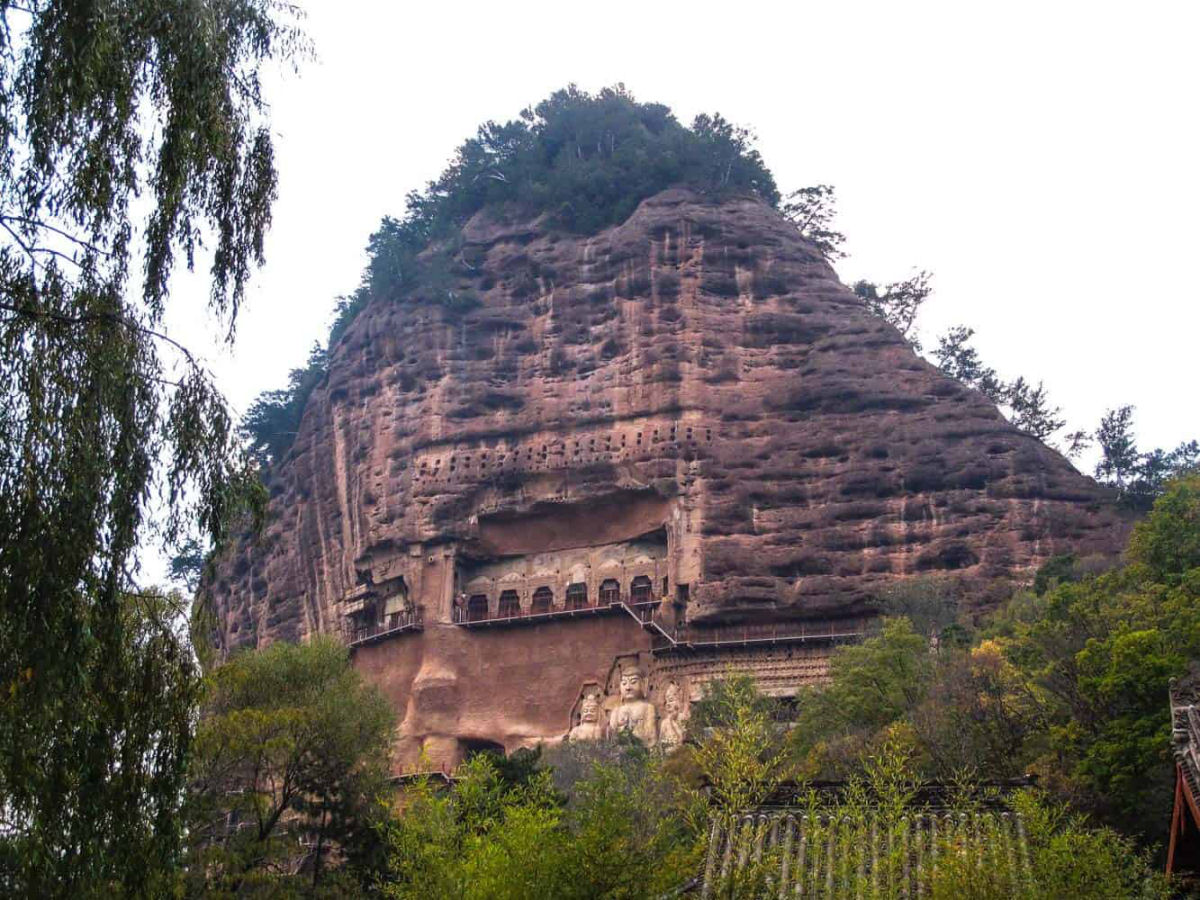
{"points": [[585, 161]]}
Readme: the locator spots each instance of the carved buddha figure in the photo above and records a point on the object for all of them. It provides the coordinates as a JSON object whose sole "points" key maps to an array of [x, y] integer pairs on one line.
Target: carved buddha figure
{"points": [[634, 714], [671, 728], [590, 727]]}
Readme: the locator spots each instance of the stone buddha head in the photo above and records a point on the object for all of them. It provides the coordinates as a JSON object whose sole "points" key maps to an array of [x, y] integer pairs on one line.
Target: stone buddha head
{"points": [[589, 708], [631, 685]]}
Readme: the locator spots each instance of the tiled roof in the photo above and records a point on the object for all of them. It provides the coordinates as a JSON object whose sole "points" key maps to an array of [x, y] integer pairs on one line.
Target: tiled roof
{"points": [[864, 854]]}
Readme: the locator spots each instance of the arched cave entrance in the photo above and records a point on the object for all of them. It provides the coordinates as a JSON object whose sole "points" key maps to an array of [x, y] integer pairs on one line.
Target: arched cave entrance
{"points": [[477, 608], [543, 599], [577, 597], [510, 605], [474, 746], [640, 590], [610, 591]]}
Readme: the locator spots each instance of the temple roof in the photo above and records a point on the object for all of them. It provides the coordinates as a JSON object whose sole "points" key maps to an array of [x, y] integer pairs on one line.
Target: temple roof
{"points": [[843, 854]]}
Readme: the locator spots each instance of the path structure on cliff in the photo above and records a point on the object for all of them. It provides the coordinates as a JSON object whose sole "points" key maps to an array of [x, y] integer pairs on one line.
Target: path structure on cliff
{"points": [[639, 445]]}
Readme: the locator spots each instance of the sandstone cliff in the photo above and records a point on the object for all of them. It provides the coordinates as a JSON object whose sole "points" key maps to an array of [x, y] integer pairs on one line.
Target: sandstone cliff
{"points": [[696, 376]]}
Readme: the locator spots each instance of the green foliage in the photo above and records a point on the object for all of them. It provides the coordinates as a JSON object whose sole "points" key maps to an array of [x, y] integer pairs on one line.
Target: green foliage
{"points": [[1101, 650], [956, 357], [1118, 447], [871, 685], [852, 843], [292, 746], [629, 837], [742, 754], [102, 103], [811, 210], [187, 565], [981, 714], [875, 839], [585, 160], [589, 160], [1138, 477], [1167, 542], [882, 837], [1056, 570], [489, 836], [932, 605], [134, 721], [1066, 858], [344, 312], [271, 422], [1030, 409], [1068, 682], [612, 819], [898, 303], [729, 700], [1076, 442]]}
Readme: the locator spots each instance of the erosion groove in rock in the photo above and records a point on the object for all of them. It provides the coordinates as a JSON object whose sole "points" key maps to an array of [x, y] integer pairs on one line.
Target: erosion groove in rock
{"points": [[690, 398]]}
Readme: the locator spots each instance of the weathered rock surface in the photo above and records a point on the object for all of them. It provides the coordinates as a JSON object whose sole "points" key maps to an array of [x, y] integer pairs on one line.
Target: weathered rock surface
{"points": [[697, 371]]}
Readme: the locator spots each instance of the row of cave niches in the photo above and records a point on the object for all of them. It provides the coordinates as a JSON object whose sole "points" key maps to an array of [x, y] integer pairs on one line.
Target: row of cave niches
{"points": [[507, 604], [618, 447]]}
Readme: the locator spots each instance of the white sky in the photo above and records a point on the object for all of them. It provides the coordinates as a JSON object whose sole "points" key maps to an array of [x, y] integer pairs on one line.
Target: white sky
{"points": [[1041, 159]]}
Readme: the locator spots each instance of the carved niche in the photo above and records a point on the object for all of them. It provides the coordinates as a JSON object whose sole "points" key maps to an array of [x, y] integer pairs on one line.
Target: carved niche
{"points": [[587, 722], [658, 720], [633, 713], [672, 727]]}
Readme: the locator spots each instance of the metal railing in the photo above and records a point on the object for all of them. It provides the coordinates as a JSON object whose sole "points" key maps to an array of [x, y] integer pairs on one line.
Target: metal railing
{"points": [[670, 634], [395, 623], [464, 615], [444, 772], [832, 631], [667, 633], [1185, 724], [1193, 742]]}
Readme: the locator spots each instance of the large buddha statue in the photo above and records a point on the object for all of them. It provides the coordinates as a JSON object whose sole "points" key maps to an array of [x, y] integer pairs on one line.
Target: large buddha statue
{"points": [[634, 714], [590, 728]]}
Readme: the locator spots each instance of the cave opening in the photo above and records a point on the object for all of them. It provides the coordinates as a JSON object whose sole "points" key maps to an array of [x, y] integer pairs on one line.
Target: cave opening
{"points": [[543, 600], [577, 596], [610, 591], [510, 605]]}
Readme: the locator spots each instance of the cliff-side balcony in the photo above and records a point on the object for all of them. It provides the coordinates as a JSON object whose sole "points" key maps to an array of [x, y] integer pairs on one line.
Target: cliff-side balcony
{"points": [[475, 617], [394, 624], [828, 632]]}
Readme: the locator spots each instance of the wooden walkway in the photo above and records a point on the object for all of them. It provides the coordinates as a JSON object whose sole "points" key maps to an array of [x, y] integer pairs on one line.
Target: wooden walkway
{"points": [[665, 635]]}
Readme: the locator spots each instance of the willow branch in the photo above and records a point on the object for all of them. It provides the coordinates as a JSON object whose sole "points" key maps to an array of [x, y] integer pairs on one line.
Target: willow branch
{"points": [[38, 223], [111, 318]]}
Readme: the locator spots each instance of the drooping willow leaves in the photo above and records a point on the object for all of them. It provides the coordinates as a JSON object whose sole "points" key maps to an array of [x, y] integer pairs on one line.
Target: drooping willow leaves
{"points": [[132, 136]]}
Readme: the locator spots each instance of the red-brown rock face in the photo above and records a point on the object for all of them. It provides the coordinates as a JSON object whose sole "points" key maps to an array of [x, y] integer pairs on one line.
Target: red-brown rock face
{"points": [[690, 396]]}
